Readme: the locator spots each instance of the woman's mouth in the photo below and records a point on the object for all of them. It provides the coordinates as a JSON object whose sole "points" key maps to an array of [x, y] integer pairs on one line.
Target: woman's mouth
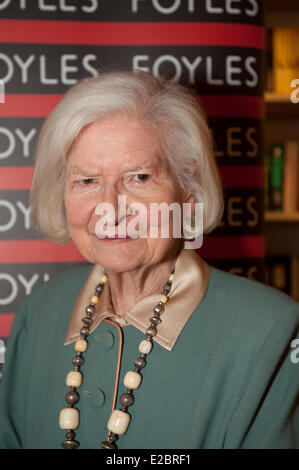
{"points": [[115, 238]]}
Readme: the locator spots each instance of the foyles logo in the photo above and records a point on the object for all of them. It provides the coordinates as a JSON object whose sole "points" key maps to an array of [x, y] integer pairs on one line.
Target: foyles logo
{"points": [[2, 92]]}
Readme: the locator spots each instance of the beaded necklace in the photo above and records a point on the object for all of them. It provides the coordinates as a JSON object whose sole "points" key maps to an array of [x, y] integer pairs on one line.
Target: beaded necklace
{"points": [[120, 419]]}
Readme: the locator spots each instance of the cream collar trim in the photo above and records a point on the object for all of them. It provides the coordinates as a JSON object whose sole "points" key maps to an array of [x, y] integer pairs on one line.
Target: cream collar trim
{"points": [[191, 279]]}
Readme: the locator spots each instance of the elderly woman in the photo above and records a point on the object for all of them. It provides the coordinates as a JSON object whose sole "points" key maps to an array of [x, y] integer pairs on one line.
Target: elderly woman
{"points": [[149, 346]]}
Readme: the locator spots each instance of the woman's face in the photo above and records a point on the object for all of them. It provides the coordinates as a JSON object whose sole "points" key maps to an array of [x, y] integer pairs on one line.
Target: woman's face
{"points": [[118, 156]]}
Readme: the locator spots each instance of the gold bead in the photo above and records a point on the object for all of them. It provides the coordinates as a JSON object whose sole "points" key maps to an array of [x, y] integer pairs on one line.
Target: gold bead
{"points": [[171, 277], [94, 299], [104, 278], [81, 345], [163, 299]]}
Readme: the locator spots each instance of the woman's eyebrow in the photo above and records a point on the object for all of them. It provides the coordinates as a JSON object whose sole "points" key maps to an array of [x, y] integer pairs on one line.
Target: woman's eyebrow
{"points": [[81, 171]]}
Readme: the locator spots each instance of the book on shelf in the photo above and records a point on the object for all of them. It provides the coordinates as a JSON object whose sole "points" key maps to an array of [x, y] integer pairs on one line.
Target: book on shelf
{"points": [[285, 58], [282, 177], [282, 272]]}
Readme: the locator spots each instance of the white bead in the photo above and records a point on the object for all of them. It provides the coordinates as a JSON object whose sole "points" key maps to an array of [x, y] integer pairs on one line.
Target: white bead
{"points": [[119, 422], [69, 418], [74, 379], [132, 379], [145, 346], [81, 345]]}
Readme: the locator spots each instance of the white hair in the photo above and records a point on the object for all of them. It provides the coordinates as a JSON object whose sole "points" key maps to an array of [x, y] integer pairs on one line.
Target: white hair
{"points": [[173, 111]]}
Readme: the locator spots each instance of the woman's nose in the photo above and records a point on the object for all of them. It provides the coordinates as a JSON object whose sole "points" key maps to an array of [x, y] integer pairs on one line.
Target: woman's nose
{"points": [[112, 204]]}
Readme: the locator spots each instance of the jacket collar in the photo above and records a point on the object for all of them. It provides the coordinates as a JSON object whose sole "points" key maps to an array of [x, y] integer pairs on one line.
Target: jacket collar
{"points": [[191, 278]]}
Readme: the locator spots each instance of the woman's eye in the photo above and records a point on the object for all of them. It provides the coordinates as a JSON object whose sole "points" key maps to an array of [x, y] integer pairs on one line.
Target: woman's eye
{"points": [[86, 181], [141, 177]]}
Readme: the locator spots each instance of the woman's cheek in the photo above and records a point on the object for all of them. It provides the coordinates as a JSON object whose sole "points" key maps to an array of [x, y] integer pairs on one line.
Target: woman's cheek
{"points": [[78, 214]]}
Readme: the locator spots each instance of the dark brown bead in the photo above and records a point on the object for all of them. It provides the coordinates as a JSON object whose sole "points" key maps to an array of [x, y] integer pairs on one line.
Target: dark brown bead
{"points": [[155, 320], [99, 289], [110, 443], [140, 362], [77, 361], [126, 399], [151, 331], [84, 331], [72, 397], [68, 444], [158, 309], [87, 321], [89, 309], [70, 434], [167, 288]]}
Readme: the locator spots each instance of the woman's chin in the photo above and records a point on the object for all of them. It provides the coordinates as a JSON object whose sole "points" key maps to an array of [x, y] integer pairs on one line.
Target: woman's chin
{"points": [[116, 255]]}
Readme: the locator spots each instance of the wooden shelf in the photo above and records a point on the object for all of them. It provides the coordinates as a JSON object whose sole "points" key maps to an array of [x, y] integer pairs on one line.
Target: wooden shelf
{"points": [[279, 106], [271, 97], [273, 216]]}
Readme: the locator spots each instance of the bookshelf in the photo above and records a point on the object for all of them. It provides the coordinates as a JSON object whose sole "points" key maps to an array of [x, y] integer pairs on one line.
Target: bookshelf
{"points": [[280, 216], [281, 125]]}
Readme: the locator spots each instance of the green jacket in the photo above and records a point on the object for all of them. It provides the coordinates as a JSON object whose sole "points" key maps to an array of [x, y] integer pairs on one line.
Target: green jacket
{"points": [[231, 380]]}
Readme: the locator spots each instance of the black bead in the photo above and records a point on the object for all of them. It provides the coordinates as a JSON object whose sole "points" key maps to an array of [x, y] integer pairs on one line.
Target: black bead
{"points": [[126, 399], [140, 362], [72, 397], [90, 309], [151, 331], [77, 361]]}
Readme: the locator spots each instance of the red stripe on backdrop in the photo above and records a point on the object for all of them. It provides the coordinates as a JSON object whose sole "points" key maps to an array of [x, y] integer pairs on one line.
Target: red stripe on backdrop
{"points": [[43, 251], [6, 320], [226, 247], [226, 106], [242, 176], [238, 176], [37, 251], [28, 105], [131, 33], [15, 178], [215, 105]]}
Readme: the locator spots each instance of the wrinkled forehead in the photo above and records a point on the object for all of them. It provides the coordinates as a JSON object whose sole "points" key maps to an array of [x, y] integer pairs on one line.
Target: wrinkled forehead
{"points": [[116, 142]]}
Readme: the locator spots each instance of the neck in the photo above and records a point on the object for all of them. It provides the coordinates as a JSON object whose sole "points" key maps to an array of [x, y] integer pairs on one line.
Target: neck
{"points": [[128, 288]]}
